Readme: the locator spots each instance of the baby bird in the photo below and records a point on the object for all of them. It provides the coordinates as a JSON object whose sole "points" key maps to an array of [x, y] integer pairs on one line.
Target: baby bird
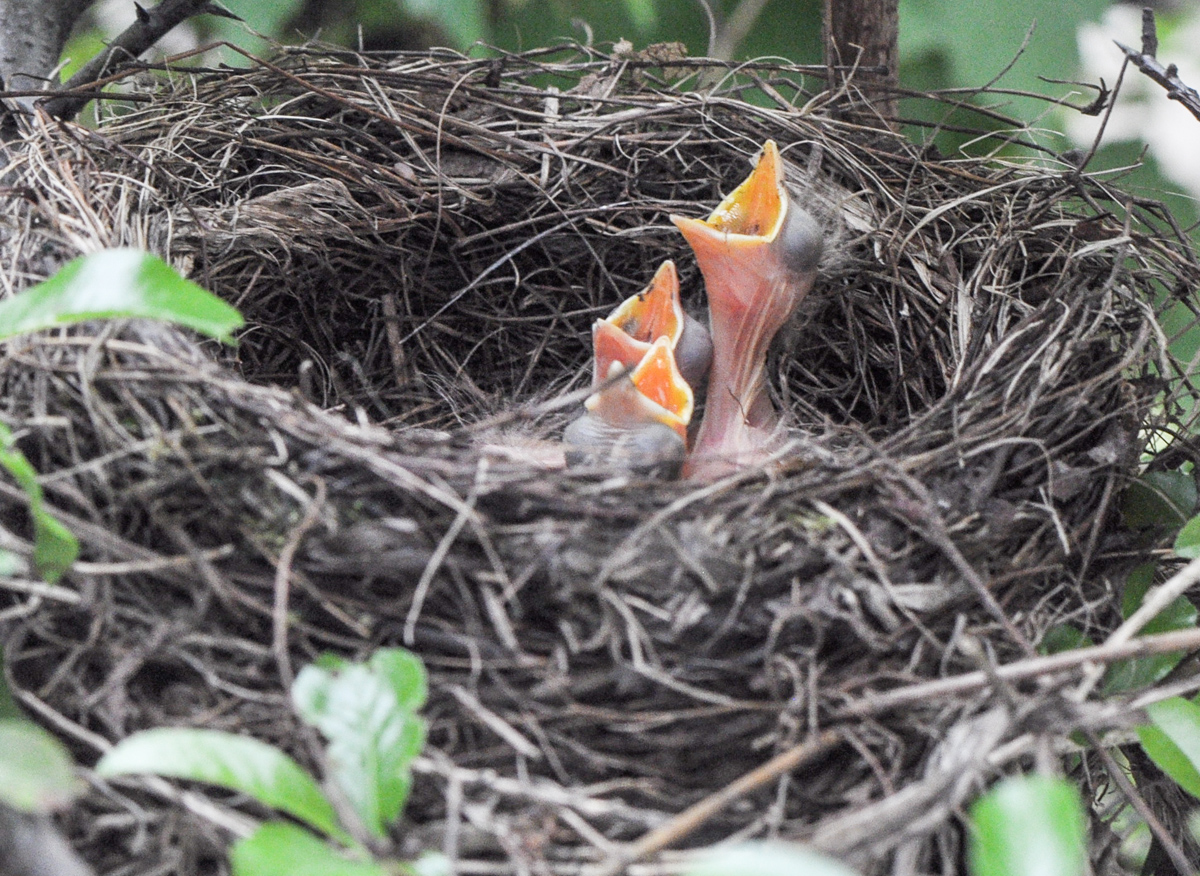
{"points": [[758, 252], [639, 320], [638, 422]]}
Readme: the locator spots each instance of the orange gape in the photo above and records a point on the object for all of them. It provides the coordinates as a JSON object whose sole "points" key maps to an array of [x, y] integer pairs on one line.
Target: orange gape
{"points": [[626, 335], [655, 311], [657, 377], [758, 253]]}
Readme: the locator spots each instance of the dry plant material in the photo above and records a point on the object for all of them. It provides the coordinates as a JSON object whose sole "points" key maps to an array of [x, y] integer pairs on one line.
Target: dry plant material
{"points": [[420, 244]]}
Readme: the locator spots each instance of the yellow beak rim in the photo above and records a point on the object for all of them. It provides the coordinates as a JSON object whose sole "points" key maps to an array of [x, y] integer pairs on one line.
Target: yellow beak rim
{"points": [[753, 213]]}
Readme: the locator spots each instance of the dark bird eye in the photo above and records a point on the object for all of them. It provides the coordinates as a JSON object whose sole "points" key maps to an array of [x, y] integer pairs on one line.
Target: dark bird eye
{"points": [[800, 241]]}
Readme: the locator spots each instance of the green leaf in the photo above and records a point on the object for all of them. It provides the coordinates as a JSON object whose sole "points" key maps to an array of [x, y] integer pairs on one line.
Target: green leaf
{"points": [[117, 283], [36, 772], [1063, 637], [11, 564], [1187, 543], [406, 674], [1172, 741], [235, 762], [1031, 825], [1180, 614], [78, 50], [279, 849], [1159, 498], [766, 859], [430, 864], [365, 713], [54, 547]]}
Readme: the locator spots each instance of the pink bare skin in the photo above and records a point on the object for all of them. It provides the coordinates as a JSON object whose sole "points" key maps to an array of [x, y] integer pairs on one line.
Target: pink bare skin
{"points": [[758, 252]]}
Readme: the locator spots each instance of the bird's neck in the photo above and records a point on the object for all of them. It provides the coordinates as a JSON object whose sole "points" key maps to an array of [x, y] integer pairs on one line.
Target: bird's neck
{"points": [[746, 325]]}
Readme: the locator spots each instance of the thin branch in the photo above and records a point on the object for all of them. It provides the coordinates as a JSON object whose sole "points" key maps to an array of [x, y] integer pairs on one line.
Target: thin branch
{"points": [[695, 816], [1033, 667], [150, 26], [1152, 605], [1167, 77]]}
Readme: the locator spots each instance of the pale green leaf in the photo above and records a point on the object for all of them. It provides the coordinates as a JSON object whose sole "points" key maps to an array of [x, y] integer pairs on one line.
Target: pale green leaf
{"points": [[643, 13], [54, 547], [1172, 741], [373, 737], [118, 283], [11, 564], [430, 864], [1029, 825], [239, 763], [406, 674], [766, 859], [278, 849], [36, 772], [1187, 543]]}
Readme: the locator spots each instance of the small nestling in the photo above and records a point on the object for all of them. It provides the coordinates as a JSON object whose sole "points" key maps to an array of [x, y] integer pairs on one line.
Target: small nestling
{"points": [[627, 333], [637, 420]]}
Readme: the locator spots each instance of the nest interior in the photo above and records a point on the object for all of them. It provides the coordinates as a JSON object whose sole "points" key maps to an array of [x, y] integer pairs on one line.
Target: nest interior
{"points": [[420, 244]]}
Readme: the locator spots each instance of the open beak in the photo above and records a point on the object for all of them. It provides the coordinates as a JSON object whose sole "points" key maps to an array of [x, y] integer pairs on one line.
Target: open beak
{"points": [[626, 335], [639, 421], [741, 229], [655, 392], [655, 311], [758, 252]]}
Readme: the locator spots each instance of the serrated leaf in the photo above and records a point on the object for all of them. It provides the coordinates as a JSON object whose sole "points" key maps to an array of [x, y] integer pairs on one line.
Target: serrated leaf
{"points": [[1172, 741], [1179, 614], [279, 849], [372, 736], [54, 547], [1031, 825], [767, 859], [1159, 498], [239, 763], [1187, 543], [118, 283], [36, 772]]}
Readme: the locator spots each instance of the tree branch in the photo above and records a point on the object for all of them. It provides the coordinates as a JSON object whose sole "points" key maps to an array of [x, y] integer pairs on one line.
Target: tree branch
{"points": [[31, 39], [1167, 77], [151, 25]]}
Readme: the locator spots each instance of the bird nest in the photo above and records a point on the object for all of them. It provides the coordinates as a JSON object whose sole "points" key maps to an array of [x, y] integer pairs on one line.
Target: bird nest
{"points": [[420, 244]]}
